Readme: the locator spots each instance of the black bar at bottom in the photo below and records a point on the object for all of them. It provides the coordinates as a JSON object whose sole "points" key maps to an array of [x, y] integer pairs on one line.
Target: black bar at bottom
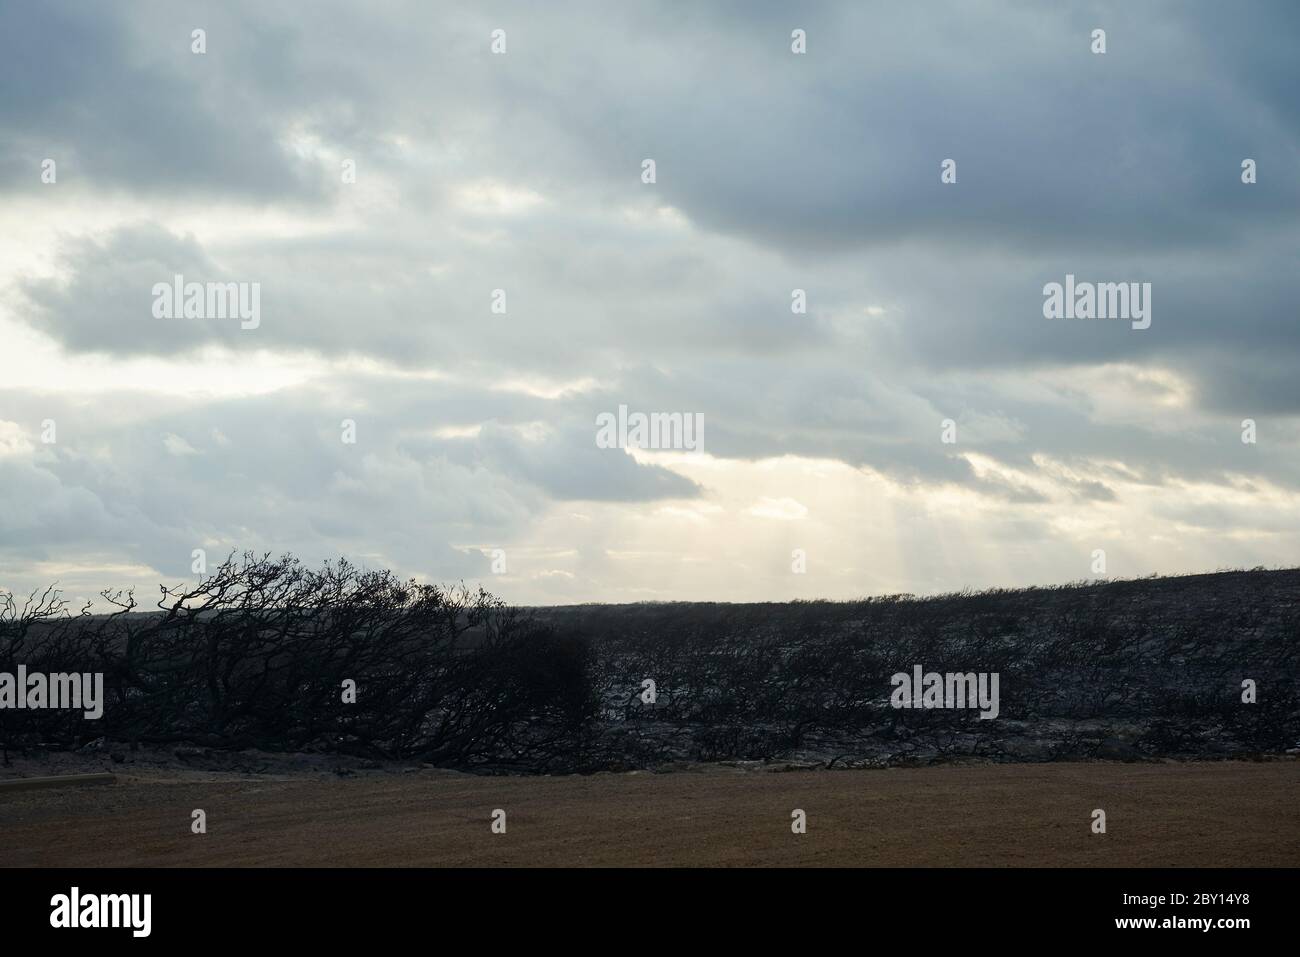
{"points": [[645, 909]]}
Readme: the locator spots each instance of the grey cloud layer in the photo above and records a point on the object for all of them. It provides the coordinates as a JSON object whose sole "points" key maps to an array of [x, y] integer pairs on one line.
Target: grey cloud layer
{"points": [[1122, 166], [818, 172]]}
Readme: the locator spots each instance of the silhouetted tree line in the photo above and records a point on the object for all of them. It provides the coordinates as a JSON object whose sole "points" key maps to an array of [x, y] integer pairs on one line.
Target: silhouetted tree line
{"points": [[257, 654]]}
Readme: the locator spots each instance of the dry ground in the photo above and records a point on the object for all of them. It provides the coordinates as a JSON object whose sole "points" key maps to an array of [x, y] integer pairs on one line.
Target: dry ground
{"points": [[1168, 814]]}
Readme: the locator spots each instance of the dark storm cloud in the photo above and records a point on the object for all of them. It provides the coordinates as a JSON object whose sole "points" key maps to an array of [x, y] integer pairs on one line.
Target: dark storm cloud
{"points": [[123, 108], [1134, 150]]}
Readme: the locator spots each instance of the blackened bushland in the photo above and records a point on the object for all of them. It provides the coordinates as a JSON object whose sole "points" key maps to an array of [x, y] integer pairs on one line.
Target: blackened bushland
{"points": [[256, 656], [1126, 670], [258, 653]]}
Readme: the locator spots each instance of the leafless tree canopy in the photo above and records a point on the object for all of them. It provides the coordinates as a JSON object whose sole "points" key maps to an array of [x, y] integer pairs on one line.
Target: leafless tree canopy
{"points": [[256, 656], [257, 653]]}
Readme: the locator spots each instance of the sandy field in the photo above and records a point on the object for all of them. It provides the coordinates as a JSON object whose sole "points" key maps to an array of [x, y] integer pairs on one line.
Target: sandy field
{"points": [[1205, 814]]}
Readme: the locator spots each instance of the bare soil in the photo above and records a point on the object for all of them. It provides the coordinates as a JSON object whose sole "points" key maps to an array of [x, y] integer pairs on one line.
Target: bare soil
{"points": [[1202, 814]]}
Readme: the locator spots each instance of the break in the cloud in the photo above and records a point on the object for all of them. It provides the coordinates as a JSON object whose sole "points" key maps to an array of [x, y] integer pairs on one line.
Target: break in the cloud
{"points": [[775, 172]]}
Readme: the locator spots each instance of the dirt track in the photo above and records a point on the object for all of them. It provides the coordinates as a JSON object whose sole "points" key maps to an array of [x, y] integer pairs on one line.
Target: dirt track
{"points": [[1205, 814]]}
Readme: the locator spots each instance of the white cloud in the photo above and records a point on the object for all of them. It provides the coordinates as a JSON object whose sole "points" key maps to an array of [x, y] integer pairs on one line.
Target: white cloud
{"points": [[176, 445], [781, 509]]}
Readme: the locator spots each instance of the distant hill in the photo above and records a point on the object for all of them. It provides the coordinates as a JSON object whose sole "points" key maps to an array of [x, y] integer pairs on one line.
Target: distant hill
{"points": [[1189, 667], [1118, 669]]}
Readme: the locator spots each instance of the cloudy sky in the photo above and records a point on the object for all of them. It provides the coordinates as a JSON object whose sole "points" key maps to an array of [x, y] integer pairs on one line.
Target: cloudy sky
{"points": [[774, 171]]}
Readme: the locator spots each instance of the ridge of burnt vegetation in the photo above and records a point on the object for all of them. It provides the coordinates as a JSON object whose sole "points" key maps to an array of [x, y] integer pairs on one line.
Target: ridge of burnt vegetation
{"points": [[258, 653]]}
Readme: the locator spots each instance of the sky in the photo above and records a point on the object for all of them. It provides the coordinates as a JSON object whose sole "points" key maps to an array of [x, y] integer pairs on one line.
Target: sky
{"points": [[921, 427]]}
